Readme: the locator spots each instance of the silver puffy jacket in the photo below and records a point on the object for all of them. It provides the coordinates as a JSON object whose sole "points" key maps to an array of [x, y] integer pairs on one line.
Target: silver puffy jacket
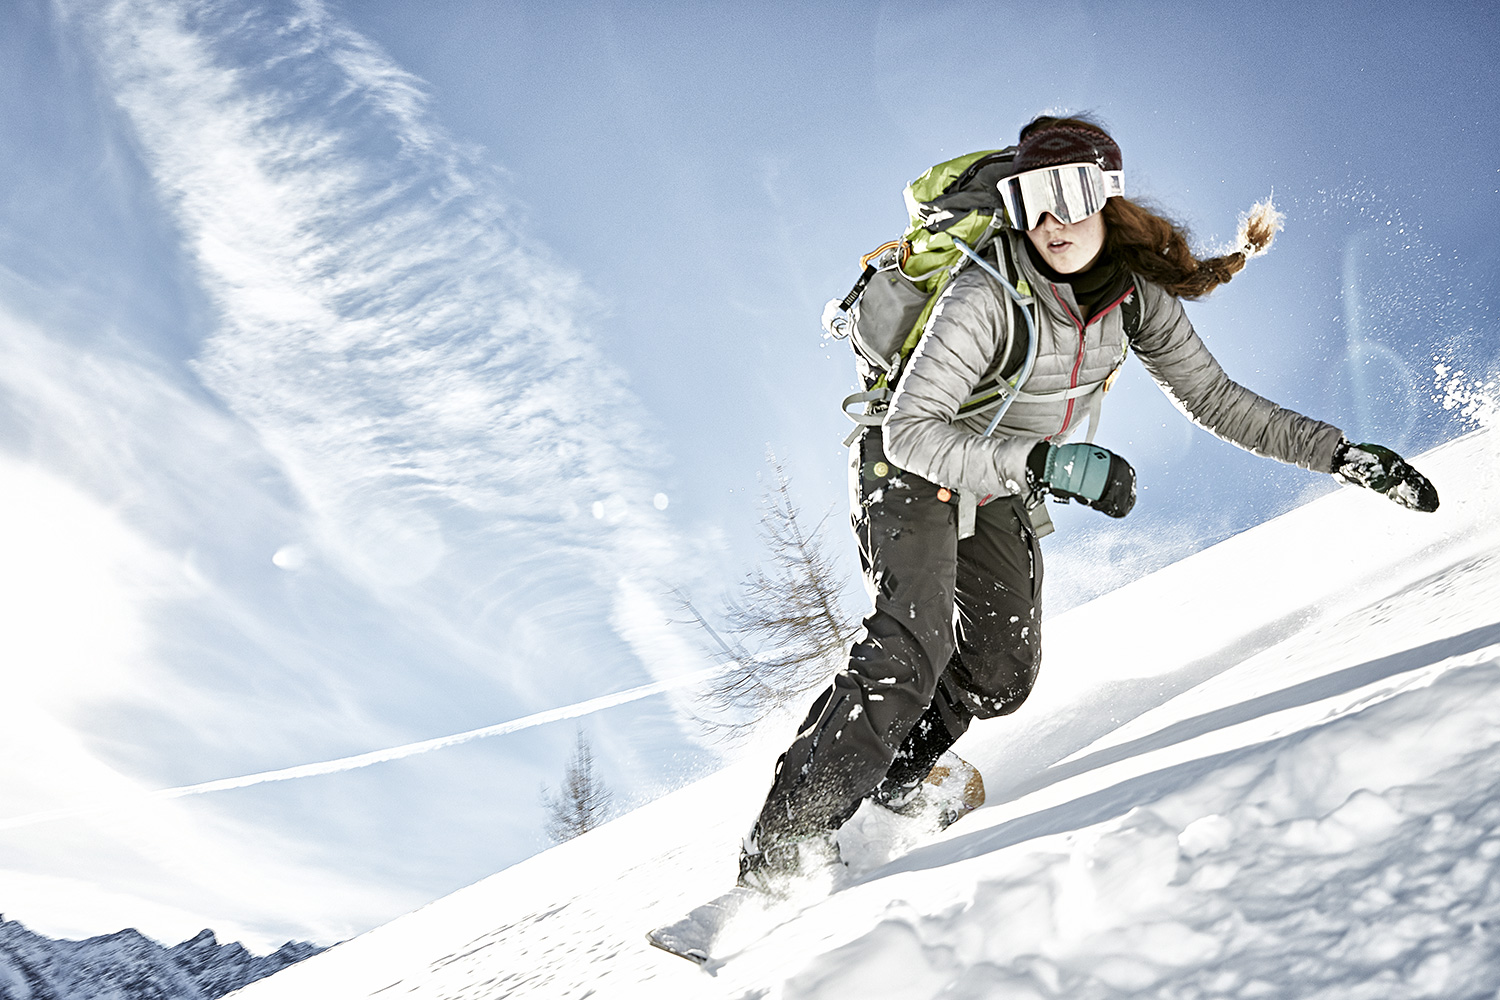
{"points": [[923, 432]]}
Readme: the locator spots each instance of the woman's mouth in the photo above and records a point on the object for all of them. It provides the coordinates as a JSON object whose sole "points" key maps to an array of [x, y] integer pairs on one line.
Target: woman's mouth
{"points": [[1058, 246]]}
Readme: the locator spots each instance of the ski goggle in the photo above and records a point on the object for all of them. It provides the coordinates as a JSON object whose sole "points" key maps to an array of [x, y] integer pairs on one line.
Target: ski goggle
{"points": [[1071, 192]]}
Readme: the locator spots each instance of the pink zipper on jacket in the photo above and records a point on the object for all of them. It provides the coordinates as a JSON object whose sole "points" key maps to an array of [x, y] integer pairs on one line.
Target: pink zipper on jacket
{"points": [[1077, 362], [1082, 327]]}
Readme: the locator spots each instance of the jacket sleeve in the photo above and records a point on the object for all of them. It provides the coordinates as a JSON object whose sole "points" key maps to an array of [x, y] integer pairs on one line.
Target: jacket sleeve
{"points": [[1181, 364], [963, 335]]}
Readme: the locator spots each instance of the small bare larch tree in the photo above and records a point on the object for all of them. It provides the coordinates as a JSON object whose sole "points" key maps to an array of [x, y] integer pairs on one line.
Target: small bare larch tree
{"points": [[789, 630], [583, 801]]}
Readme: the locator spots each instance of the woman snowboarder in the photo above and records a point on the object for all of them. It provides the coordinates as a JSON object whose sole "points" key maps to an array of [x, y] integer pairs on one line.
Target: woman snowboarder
{"points": [[919, 673]]}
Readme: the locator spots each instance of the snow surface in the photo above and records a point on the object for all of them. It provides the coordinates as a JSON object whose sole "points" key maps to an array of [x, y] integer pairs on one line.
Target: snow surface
{"points": [[1269, 770]]}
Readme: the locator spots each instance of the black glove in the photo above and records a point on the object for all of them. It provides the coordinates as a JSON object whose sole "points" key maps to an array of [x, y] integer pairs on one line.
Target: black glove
{"points": [[1084, 472], [1382, 470]]}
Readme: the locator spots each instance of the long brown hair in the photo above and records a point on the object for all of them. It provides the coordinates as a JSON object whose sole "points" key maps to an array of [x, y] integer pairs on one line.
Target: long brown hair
{"points": [[1155, 247]]}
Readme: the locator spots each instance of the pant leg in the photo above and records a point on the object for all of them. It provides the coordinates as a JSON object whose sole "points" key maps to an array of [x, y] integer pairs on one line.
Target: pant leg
{"points": [[999, 620], [908, 550], [998, 651]]}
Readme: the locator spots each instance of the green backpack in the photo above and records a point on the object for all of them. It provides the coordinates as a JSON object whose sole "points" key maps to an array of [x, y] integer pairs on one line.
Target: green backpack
{"points": [[955, 214]]}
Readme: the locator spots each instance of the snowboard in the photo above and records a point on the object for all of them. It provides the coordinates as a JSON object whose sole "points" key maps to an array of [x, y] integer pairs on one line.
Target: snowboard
{"points": [[726, 923], [953, 789], [695, 936]]}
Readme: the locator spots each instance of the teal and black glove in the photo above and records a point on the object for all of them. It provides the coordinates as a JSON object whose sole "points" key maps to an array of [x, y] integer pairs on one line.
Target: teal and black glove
{"points": [[1084, 472], [1378, 468]]}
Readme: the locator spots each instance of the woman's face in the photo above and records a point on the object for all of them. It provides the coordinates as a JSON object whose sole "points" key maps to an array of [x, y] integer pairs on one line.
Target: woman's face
{"points": [[1069, 247]]}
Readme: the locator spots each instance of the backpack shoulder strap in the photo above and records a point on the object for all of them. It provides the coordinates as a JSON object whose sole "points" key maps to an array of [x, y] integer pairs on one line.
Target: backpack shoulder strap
{"points": [[1017, 338], [996, 389]]}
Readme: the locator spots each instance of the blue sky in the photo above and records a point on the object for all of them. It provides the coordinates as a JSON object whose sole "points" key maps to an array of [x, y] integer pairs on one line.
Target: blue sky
{"points": [[373, 371]]}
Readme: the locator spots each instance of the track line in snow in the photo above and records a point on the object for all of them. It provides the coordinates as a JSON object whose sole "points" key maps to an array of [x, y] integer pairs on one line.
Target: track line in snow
{"points": [[1111, 788], [1315, 689]]}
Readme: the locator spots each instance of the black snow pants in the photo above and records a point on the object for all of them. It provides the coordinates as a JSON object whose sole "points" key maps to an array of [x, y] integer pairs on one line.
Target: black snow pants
{"points": [[954, 635]]}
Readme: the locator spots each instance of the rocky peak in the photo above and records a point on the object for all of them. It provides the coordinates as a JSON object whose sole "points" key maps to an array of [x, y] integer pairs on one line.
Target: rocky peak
{"points": [[127, 965]]}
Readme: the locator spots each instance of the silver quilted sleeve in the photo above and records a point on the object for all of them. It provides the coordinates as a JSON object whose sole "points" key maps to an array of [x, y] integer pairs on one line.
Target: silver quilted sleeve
{"points": [[1181, 364]]}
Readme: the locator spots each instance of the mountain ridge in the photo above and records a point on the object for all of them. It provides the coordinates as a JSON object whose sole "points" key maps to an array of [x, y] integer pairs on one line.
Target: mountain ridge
{"points": [[127, 965]]}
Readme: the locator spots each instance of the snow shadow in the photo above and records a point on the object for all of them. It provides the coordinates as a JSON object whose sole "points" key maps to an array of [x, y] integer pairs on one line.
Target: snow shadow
{"points": [[1309, 691], [1028, 762], [1118, 799]]}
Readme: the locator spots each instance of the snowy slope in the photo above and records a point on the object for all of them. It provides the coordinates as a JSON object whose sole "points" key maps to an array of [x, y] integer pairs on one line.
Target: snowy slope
{"points": [[1271, 769]]}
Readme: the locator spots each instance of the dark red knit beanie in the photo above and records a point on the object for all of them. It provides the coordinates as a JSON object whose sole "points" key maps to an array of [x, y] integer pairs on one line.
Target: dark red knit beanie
{"points": [[1061, 142]]}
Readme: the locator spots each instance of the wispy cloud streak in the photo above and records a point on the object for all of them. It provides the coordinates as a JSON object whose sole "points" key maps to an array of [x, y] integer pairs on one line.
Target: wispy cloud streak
{"points": [[357, 761], [413, 359]]}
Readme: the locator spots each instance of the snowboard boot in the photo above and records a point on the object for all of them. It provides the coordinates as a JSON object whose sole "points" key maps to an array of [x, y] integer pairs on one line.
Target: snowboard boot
{"points": [[952, 789], [775, 868]]}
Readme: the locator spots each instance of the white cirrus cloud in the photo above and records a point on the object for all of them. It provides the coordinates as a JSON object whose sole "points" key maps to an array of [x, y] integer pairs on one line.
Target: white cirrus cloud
{"points": [[415, 362]]}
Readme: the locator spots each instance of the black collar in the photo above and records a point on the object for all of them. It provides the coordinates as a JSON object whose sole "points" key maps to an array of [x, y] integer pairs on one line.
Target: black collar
{"points": [[1095, 288]]}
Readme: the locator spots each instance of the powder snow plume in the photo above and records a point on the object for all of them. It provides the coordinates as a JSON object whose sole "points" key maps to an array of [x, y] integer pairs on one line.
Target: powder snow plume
{"points": [[1475, 398]]}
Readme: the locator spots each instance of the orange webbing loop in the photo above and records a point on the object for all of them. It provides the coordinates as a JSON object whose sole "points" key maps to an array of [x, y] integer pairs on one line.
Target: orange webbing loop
{"points": [[904, 246]]}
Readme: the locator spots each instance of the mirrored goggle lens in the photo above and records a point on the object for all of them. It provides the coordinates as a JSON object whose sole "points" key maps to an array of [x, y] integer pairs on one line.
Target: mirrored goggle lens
{"points": [[1071, 192]]}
